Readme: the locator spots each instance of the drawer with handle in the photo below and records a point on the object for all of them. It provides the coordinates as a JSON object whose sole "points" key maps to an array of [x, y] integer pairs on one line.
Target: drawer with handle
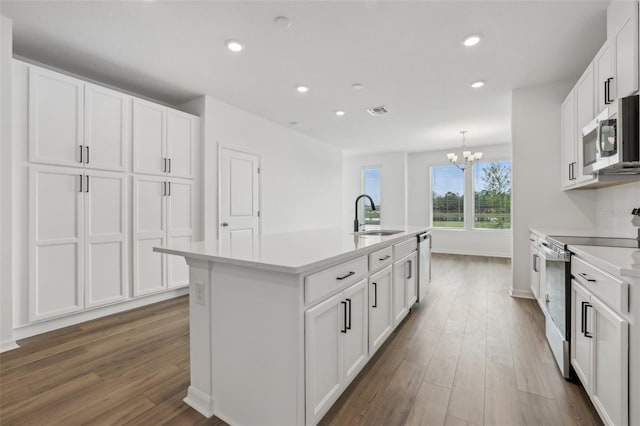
{"points": [[328, 281], [607, 288], [381, 258]]}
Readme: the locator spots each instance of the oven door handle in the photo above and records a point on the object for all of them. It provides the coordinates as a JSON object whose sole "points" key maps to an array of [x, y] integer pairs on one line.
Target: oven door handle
{"points": [[550, 254]]}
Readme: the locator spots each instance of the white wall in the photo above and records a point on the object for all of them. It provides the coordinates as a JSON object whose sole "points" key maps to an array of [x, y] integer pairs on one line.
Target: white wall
{"points": [[457, 241], [301, 176], [392, 189], [6, 257], [538, 198], [613, 210]]}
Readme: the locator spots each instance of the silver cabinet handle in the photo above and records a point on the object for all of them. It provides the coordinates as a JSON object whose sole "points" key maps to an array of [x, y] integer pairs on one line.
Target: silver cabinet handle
{"points": [[164, 164], [410, 265], [169, 191], [345, 276], [81, 150], [586, 277], [80, 190], [87, 156], [87, 183], [169, 171]]}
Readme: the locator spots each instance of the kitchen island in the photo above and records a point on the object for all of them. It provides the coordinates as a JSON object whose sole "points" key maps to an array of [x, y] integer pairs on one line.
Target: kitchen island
{"points": [[281, 324]]}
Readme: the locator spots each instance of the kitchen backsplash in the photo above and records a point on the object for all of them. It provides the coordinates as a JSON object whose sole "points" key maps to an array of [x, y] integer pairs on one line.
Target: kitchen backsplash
{"points": [[613, 210]]}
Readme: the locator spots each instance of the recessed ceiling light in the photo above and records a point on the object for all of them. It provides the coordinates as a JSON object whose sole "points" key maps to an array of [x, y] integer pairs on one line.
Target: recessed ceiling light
{"points": [[234, 46], [471, 40], [477, 84], [340, 113], [357, 86], [302, 89], [282, 21]]}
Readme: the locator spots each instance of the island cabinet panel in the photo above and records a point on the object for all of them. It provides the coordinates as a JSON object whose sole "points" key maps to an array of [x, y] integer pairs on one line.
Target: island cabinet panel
{"points": [[380, 308], [323, 283], [404, 286], [380, 258], [336, 347]]}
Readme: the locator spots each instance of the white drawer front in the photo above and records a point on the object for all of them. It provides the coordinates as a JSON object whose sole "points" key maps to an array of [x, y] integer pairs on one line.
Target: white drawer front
{"points": [[404, 248], [326, 282], [607, 288], [381, 258]]}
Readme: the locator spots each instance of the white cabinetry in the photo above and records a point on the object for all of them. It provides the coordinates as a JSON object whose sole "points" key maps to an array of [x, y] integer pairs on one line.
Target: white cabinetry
{"points": [[585, 112], [78, 243], [569, 140], [380, 308], [335, 347], [163, 140], [622, 35], [162, 214], [73, 123], [603, 63], [404, 286], [600, 341]]}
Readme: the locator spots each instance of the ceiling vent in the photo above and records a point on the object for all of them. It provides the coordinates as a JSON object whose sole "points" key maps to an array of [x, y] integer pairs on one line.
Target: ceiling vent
{"points": [[379, 110]]}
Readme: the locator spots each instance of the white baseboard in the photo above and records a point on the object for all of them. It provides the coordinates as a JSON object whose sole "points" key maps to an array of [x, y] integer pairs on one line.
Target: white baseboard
{"points": [[8, 345], [199, 401], [523, 294], [33, 329], [472, 253]]}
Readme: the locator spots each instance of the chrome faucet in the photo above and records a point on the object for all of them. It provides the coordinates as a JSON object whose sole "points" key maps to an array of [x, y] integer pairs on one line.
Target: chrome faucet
{"points": [[356, 222]]}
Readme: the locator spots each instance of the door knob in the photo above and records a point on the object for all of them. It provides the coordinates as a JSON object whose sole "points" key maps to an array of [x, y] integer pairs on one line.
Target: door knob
{"points": [[224, 224]]}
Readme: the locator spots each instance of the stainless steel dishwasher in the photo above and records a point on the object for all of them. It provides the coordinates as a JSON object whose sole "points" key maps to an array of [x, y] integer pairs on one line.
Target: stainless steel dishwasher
{"points": [[424, 264]]}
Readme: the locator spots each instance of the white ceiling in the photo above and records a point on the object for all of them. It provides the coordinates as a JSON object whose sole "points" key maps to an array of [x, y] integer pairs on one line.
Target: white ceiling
{"points": [[408, 56]]}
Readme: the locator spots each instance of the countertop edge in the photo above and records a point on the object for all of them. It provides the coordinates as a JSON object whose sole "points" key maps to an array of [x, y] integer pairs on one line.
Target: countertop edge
{"points": [[603, 264], [299, 269]]}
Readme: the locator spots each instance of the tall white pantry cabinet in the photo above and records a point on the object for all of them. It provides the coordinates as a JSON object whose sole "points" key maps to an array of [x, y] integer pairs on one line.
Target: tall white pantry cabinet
{"points": [[98, 160]]}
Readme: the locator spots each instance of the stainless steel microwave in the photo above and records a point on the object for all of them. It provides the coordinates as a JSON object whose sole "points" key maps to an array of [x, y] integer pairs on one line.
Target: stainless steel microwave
{"points": [[611, 145]]}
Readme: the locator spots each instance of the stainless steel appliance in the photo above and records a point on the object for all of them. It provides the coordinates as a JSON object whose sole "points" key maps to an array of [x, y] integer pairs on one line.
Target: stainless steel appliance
{"points": [[424, 264], [557, 283], [611, 145]]}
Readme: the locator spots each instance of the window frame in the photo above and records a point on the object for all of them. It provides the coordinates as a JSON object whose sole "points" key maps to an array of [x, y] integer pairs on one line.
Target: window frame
{"points": [[462, 228], [362, 191], [473, 196]]}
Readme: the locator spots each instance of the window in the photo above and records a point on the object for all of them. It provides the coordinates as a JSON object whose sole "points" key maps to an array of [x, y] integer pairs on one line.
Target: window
{"points": [[447, 197], [492, 195], [371, 187]]}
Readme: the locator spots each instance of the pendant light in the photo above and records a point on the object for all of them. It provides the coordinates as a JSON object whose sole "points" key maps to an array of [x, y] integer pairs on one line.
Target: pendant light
{"points": [[468, 156]]}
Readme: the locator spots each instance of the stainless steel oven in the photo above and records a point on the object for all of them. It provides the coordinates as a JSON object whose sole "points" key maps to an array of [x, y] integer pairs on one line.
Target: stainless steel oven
{"points": [[556, 273]]}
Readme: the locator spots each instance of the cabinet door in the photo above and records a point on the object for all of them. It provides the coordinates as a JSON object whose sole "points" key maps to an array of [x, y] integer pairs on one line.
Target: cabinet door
{"points": [[180, 212], [380, 308], [534, 272], [324, 326], [149, 153], [542, 296], [399, 290], [56, 259], [356, 346], [411, 282], [105, 231], [604, 71], [106, 128], [580, 337], [569, 141], [622, 28], [181, 139], [610, 356], [149, 230], [55, 118], [585, 112]]}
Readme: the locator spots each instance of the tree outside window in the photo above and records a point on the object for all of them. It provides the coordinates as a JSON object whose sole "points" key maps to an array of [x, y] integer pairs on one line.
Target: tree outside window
{"points": [[447, 197], [492, 195]]}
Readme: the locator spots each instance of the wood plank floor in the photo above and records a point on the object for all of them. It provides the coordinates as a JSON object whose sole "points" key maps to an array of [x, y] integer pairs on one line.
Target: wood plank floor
{"points": [[471, 356]]}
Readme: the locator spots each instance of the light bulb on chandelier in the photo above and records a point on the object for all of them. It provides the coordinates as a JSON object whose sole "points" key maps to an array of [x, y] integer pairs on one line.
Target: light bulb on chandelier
{"points": [[468, 156]]}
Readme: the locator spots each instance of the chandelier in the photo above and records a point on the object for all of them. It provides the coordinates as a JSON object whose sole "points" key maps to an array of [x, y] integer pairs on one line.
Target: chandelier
{"points": [[468, 156]]}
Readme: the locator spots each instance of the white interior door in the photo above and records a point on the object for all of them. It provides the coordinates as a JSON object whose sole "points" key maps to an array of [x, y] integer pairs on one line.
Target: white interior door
{"points": [[105, 238], [149, 151], [56, 258], [181, 128], [179, 228], [149, 230], [106, 127], [239, 198], [55, 118]]}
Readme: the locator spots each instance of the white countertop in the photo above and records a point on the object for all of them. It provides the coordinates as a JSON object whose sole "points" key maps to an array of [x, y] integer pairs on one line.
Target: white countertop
{"points": [[618, 261], [292, 252]]}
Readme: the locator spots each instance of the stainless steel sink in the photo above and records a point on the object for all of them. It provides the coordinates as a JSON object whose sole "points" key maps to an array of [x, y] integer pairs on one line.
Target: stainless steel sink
{"points": [[378, 233]]}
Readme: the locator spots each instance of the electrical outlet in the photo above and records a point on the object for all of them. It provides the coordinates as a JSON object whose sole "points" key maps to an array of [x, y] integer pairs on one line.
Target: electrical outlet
{"points": [[199, 290]]}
